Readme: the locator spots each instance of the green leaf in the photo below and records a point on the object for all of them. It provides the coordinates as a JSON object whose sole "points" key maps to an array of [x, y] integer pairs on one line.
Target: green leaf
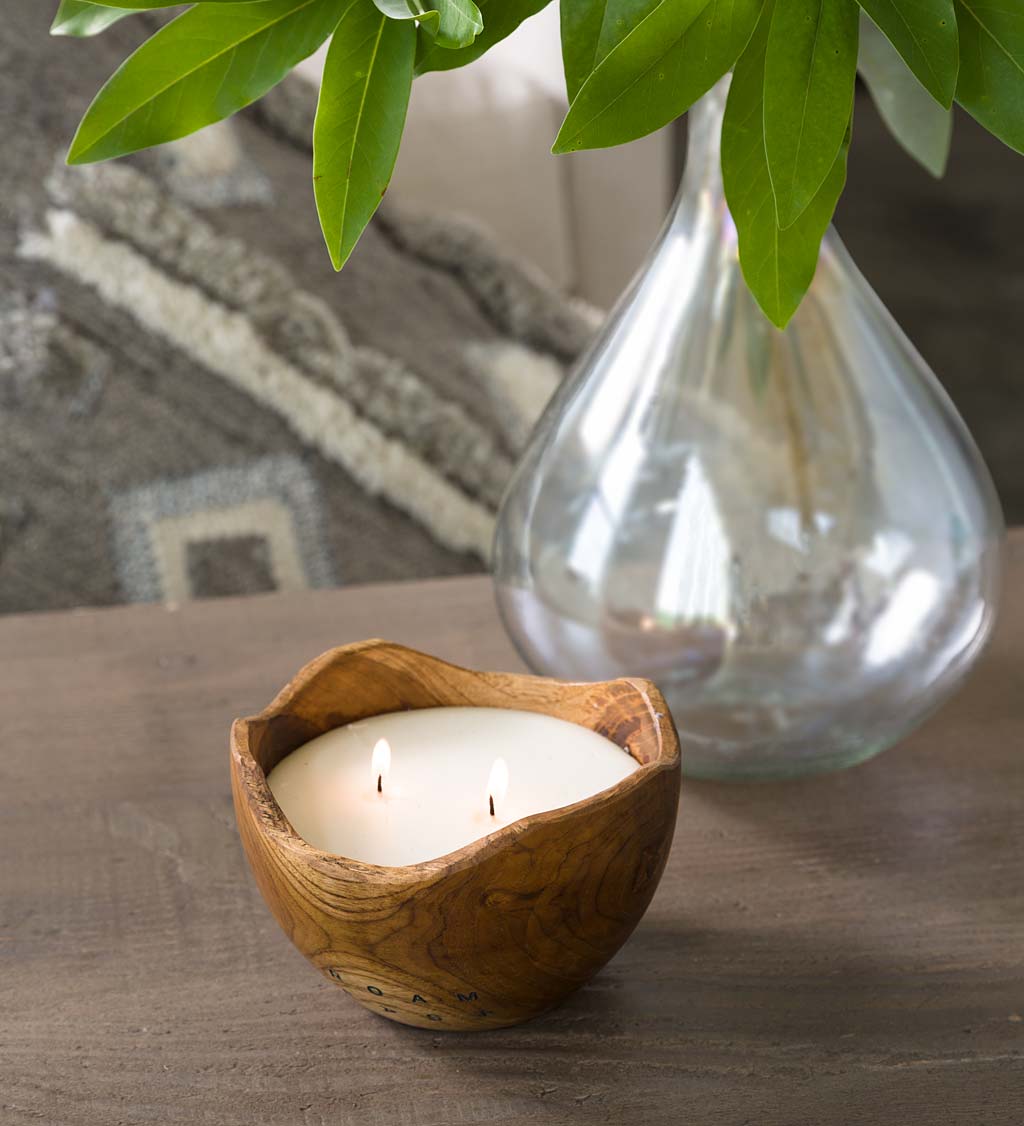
{"points": [[501, 18], [924, 33], [149, 5], [364, 95], [590, 29], [914, 118], [991, 82], [201, 67], [451, 23], [778, 264], [410, 10], [461, 21], [809, 73], [81, 19], [672, 57]]}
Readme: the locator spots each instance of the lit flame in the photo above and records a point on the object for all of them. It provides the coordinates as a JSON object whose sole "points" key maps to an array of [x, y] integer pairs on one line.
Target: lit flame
{"points": [[497, 785], [381, 763]]}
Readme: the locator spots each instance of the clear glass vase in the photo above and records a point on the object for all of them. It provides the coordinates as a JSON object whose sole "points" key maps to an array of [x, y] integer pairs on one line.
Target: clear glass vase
{"points": [[792, 532]]}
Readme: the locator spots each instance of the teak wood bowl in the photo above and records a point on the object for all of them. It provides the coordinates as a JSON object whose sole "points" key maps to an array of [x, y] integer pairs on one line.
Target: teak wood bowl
{"points": [[507, 926]]}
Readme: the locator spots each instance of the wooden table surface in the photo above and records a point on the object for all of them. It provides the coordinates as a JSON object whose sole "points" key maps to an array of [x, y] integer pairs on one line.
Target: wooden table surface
{"points": [[845, 949]]}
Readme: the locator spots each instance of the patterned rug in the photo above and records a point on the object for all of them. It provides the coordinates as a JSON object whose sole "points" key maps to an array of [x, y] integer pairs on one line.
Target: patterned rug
{"points": [[193, 404]]}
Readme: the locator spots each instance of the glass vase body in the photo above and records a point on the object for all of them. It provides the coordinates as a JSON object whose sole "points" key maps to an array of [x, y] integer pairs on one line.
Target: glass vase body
{"points": [[791, 532]]}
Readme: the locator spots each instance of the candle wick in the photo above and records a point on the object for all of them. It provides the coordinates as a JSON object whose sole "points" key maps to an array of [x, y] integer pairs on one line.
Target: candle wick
{"points": [[380, 784], [491, 799]]}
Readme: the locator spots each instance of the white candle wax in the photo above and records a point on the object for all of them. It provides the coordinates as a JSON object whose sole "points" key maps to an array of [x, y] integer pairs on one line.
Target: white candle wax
{"points": [[434, 793]]}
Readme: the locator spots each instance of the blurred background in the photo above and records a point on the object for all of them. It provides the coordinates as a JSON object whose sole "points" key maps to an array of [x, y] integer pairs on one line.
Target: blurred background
{"points": [[192, 403]]}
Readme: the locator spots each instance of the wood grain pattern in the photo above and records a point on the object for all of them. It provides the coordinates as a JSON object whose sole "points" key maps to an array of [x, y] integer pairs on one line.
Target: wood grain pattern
{"points": [[506, 927], [838, 950]]}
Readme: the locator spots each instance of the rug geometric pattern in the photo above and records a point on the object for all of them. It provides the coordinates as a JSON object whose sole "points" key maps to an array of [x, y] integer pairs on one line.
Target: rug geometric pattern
{"points": [[180, 539]]}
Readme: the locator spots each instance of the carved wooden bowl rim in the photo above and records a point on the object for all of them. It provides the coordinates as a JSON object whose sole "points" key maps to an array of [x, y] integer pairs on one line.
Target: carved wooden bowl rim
{"points": [[656, 750]]}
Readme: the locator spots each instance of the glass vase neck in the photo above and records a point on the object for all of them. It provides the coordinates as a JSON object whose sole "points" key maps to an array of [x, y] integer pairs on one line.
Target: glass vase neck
{"points": [[703, 142]]}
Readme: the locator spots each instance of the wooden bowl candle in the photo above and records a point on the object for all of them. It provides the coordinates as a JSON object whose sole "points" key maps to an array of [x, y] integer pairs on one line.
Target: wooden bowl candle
{"points": [[507, 925]]}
